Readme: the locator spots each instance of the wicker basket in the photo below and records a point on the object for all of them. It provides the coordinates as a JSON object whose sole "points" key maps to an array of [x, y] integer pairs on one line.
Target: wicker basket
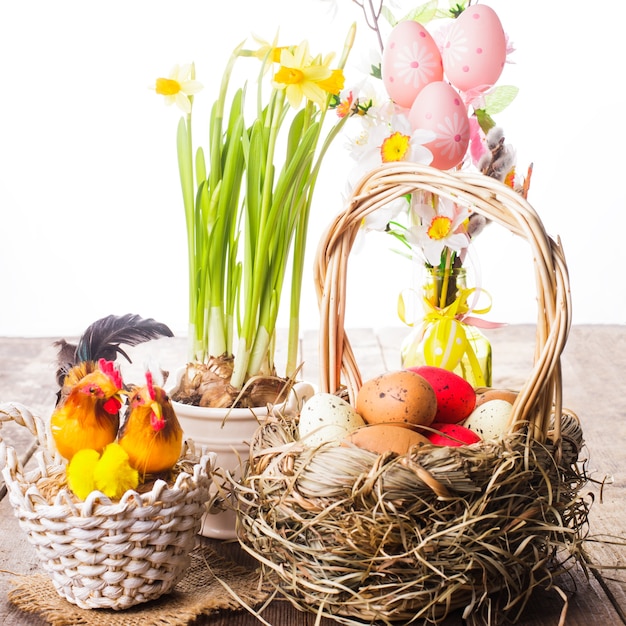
{"points": [[369, 538], [100, 553]]}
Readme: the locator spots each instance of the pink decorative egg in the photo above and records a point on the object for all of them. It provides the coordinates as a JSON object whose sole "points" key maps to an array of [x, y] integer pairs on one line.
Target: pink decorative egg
{"points": [[439, 108], [474, 52], [411, 59]]}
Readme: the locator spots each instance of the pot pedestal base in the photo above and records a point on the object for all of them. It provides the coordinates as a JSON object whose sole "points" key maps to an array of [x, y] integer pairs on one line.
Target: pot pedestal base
{"points": [[228, 433]]}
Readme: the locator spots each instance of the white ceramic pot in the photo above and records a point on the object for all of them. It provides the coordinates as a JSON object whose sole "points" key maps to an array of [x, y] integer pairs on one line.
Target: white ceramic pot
{"points": [[228, 433]]}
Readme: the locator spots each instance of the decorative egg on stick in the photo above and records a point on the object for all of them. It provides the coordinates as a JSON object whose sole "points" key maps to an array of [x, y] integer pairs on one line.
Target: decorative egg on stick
{"points": [[440, 108], [411, 60], [474, 52]]}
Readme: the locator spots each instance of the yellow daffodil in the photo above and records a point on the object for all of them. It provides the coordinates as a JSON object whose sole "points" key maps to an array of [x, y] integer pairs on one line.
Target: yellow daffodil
{"points": [[247, 200], [303, 77], [179, 87], [267, 50]]}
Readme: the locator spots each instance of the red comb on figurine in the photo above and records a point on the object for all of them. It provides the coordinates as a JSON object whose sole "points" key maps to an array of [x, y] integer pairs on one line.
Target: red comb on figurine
{"points": [[108, 368], [150, 384]]}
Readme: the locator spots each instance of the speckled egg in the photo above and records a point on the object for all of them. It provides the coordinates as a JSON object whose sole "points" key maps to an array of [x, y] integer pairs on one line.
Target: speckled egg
{"points": [[411, 59], [399, 396], [490, 420], [327, 418], [474, 52], [456, 398], [439, 108]]}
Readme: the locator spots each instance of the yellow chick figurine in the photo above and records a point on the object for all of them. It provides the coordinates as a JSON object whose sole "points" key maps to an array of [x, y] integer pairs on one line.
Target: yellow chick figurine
{"points": [[110, 473], [80, 472]]}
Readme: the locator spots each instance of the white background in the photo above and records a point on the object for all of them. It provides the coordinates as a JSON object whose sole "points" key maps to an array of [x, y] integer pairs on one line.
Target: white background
{"points": [[91, 220]]}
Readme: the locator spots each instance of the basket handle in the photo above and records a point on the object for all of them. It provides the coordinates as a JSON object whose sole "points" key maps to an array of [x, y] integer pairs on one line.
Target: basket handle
{"points": [[23, 416], [542, 393]]}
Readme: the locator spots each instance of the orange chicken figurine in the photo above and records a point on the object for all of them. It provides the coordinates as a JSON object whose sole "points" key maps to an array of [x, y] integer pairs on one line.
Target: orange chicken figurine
{"points": [[151, 434], [88, 414], [88, 400]]}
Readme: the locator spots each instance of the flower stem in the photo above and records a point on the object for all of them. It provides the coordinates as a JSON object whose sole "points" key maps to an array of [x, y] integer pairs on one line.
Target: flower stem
{"points": [[443, 298]]}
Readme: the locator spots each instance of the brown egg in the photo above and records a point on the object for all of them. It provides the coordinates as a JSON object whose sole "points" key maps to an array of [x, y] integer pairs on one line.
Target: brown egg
{"points": [[400, 396], [381, 438], [487, 394]]}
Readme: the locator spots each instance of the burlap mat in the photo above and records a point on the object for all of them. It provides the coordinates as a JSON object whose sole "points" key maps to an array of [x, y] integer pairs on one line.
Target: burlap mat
{"points": [[203, 590]]}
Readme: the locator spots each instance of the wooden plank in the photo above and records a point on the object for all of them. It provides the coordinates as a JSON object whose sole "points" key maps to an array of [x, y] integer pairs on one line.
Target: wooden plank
{"points": [[594, 364]]}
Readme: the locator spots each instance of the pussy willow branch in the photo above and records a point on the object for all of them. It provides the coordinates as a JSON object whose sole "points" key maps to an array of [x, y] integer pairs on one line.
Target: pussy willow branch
{"points": [[372, 15]]}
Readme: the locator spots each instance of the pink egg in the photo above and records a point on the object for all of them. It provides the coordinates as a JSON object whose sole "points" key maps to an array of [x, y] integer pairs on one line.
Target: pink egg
{"points": [[439, 108], [474, 52], [411, 60]]}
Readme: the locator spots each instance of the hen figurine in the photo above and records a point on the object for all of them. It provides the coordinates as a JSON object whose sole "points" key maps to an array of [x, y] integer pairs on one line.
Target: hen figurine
{"points": [[88, 403], [151, 434]]}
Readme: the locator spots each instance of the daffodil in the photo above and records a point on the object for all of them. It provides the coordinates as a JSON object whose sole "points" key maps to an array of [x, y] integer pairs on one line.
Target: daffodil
{"points": [[179, 87], [389, 142], [441, 226], [265, 52], [247, 199], [301, 76]]}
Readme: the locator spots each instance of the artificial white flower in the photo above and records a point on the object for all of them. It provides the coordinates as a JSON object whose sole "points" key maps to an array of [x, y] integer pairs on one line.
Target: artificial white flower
{"points": [[395, 141], [439, 227]]}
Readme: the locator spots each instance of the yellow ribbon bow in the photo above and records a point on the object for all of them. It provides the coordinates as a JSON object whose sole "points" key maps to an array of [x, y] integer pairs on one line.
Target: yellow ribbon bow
{"points": [[444, 340]]}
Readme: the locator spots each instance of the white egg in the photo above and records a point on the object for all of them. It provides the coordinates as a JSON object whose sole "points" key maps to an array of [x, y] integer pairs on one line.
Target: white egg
{"points": [[490, 420], [326, 418]]}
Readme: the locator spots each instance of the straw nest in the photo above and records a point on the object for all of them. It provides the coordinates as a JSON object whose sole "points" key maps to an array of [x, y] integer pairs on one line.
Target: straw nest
{"points": [[366, 538]]}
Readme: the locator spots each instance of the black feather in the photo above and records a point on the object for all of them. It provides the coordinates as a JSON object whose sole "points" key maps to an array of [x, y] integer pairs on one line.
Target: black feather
{"points": [[102, 340]]}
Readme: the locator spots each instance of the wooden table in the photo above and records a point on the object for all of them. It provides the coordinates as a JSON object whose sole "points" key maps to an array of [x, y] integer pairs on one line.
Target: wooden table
{"points": [[594, 368]]}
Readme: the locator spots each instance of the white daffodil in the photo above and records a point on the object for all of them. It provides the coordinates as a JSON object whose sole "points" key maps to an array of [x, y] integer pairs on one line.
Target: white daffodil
{"points": [[439, 227], [388, 143]]}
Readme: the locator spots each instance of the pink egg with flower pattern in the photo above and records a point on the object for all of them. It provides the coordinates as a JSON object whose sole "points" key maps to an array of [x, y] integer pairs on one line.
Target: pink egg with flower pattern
{"points": [[411, 59], [439, 108], [474, 52]]}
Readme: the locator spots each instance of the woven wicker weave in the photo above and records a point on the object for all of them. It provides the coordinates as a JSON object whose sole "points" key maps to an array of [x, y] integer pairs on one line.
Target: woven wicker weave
{"points": [[99, 553], [380, 538]]}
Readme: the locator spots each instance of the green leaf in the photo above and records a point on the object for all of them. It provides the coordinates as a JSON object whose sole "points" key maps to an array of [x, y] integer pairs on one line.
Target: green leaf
{"points": [[200, 166], [389, 16], [456, 8], [484, 120], [424, 13], [185, 166], [500, 98], [296, 130]]}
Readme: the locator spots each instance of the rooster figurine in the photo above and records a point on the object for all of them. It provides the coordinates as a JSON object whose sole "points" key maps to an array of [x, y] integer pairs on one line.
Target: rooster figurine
{"points": [[151, 434], [88, 403]]}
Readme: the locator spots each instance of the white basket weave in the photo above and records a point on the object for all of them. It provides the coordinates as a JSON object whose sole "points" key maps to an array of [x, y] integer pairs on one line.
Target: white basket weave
{"points": [[102, 553]]}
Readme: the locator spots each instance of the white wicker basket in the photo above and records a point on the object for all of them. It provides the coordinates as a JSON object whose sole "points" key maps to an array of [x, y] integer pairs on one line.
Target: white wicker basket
{"points": [[102, 553]]}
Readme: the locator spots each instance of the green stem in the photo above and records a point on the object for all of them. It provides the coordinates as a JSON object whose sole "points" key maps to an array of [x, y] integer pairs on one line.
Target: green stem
{"points": [[297, 273]]}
